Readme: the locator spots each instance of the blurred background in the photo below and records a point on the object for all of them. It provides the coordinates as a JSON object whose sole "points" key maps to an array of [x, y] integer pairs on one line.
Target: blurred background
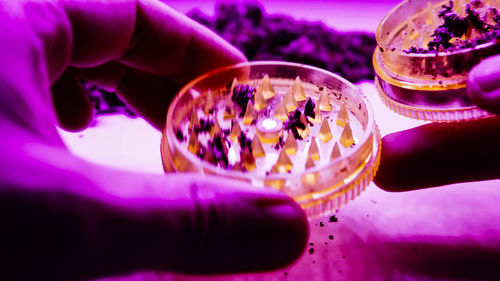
{"points": [[363, 15]]}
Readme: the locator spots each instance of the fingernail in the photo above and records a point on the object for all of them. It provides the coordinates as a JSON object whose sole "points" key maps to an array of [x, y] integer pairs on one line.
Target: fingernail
{"points": [[486, 75], [281, 208], [287, 231], [284, 210], [271, 200]]}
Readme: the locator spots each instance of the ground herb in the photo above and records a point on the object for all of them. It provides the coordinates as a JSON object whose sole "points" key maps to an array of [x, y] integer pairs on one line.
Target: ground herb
{"points": [[244, 142], [218, 150], [454, 27], [241, 95], [309, 108], [179, 135], [204, 126], [333, 219], [293, 123], [280, 144]]}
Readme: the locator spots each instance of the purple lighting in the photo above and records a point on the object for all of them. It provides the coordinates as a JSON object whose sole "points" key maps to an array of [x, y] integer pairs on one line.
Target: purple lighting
{"points": [[93, 203]]}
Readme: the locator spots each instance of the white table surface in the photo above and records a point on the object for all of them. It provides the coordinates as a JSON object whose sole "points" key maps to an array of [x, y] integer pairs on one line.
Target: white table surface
{"points": [[444, 233]]}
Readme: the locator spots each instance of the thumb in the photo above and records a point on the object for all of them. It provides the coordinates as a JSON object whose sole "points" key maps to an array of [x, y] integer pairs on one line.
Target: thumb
{"points": [[483, 84], [80, 221]]}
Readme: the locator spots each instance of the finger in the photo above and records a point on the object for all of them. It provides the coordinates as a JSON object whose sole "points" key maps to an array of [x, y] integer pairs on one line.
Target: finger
{"points": [[146, 35], [134, 84], [166, 51], [439, 154], [111, 222], [102, 30], [73, 107], [167, 42], [483, 85], [91, 33], [106, 75]]}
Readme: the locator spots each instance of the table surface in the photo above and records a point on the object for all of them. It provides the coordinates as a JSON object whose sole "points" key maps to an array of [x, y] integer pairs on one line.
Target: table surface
{"points": [[445, 233]]}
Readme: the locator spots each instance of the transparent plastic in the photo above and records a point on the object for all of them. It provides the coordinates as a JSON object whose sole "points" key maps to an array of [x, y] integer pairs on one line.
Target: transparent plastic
{"points": [[427, 86], [320, 183]]}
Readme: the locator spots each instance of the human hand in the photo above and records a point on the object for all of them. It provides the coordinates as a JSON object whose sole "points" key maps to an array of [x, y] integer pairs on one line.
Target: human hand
{"points": [[438, 154], [62, 218]]}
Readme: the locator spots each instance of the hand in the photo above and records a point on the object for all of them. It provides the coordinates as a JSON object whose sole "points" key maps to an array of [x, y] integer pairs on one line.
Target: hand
{"points": [[439, 154], [62, 218]]}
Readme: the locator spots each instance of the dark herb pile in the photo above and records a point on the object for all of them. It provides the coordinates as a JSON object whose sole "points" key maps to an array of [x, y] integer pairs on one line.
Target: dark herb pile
{"points": [[454, 27], [278, 37], [261, 36]]}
